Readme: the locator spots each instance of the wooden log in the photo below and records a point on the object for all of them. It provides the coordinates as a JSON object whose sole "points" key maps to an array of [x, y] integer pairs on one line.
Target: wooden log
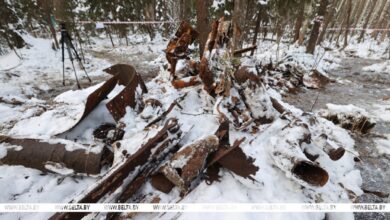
{"points": [[244, 50]]}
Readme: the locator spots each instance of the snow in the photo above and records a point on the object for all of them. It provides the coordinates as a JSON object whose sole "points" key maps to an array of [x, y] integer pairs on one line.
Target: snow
{"points": [[383, 145], [198, 118], [9, 61], [382, 67]]}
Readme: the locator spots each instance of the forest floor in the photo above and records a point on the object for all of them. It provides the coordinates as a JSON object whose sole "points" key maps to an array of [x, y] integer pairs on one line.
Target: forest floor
{"points": [[370, 91]]}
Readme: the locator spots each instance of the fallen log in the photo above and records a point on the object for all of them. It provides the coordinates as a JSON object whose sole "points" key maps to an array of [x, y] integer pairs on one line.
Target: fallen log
{"points": [[37, 154], [244, 50], [124, 174]]}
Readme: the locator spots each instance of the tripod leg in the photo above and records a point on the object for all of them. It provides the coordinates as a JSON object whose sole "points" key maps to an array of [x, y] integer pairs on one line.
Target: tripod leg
{"points": [[63, 61], [77, 80], [71, 60], [79, 60]]}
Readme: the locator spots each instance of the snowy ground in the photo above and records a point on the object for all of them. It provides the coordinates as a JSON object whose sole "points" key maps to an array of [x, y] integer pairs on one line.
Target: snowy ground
{"points": [[28, 88]]}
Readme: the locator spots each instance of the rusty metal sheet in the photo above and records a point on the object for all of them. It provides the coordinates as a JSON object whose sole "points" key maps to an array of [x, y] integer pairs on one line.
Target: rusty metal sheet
{"points": [[36, 153], [128, 77]]}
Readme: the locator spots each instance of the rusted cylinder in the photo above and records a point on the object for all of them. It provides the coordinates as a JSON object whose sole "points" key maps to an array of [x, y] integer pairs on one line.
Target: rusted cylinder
{"points": [[34, 153], [287, 155]]}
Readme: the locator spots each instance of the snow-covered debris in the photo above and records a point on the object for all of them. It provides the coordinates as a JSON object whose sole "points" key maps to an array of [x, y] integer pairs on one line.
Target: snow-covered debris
{"points": [[298, 156], [383, 67], [349, 117]]}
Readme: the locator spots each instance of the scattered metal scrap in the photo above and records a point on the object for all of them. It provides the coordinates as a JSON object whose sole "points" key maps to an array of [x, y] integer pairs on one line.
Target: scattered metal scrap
{"points": [[35, 153], [186, 165], [125, 75], [123, 177], [131, 95], [209, 154]]}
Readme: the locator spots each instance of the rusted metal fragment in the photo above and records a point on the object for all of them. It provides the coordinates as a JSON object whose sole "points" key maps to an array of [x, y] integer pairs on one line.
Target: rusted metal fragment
{"points": [[333, 153], [94, 99], [163, 115], [35, 153], [144, 160], [206, 76], [212, 174], [235, 160], [310, 172], [377, 193], [315, 80], [109, 133], [160, 182], [186, 165], [128, 77], [277, 106], [288, 155], [177, 47], [243, 74], [125, 75], [185, 82]]}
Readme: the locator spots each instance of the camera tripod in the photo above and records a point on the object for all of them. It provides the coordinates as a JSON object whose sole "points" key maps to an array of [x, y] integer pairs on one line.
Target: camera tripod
{"points": [[66, 39]]}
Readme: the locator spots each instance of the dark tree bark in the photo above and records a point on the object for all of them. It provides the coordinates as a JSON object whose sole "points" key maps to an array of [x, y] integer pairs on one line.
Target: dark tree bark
{"points": [[238, 20], [316, 27], [257, 28], [202, 23], [185, 10], [347, 23], [299, 21], [328, 18], [367, 20]]}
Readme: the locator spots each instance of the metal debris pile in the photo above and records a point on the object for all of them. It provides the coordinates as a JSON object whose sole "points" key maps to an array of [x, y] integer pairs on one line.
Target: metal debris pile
{"points": [[158, 148]]}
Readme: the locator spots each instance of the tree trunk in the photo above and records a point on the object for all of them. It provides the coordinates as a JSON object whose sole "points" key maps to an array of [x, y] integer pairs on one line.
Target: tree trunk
{"points": [[316, 27], [347, 26], [107, 29], [238, 20], [299, 20], [185, 10], [202, 23], [327, 19], [305, 24], [382, 20], [257, 28], [367, 20], [378, 12]]}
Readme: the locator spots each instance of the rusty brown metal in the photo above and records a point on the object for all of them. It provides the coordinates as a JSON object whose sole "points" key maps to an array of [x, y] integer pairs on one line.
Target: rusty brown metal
{"points": [[128, 77], [145, 159], [160, 182], [95, 98], [177, 47], [243, 74], [35, 153], [195, 155], [125, 75], [235, 160], [310, 172]]}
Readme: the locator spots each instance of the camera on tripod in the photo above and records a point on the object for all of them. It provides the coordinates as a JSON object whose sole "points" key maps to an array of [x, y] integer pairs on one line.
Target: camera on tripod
{"points": [[67, 40]]}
